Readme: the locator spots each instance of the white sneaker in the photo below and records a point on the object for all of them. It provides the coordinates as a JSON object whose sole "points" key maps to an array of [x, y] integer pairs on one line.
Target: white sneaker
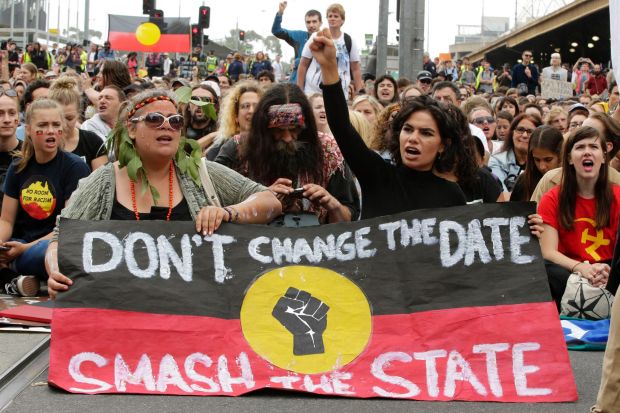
{"points": [[24, 285]]}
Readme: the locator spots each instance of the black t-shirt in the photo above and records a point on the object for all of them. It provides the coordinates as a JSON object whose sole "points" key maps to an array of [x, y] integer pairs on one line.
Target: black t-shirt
{"points": [[386, 189], [486, 189], [180, 212], [6, 159], [89, 147], [41, 191]]}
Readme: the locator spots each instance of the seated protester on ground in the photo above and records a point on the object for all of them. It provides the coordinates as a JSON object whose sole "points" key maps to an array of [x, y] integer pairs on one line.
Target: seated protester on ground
{"points": [[385, 90], [508, 164], [503, 120], [236, 114], [108, 104], [507, 104], [557, 117], [484, 118], [284, 150], [459, 165], [9, 144], [150, 128], [368, 106], [533, 109], [198, 125], [421, 131], [609, 128], [85, 144], [382, 133], [584, 199], [543, 155], [36, 187]]}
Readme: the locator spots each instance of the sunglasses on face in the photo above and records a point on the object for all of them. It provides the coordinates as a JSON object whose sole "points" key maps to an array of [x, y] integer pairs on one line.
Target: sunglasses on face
{"points": [[523, 130], [156, 120], [425, 81], [484, 119], [10, 92], [527, 55], [202, 98]]}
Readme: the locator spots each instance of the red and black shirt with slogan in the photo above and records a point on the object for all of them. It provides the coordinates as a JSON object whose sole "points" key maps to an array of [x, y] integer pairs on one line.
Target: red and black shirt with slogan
{"points": [[41, 191], [584, 242]]}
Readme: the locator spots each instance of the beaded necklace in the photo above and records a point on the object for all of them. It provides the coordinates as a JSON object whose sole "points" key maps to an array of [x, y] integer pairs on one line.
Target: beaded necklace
{"points": [[132, 186]]}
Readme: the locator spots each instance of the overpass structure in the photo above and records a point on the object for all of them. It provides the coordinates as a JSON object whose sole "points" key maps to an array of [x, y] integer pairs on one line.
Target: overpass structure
{"points": [[580, 29]]}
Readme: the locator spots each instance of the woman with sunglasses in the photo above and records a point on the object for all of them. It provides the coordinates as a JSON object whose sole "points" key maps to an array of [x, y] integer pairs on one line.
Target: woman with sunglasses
{"points": [[162, 189], [36, 189], [508, 164], [483, 117], [585, 202]]}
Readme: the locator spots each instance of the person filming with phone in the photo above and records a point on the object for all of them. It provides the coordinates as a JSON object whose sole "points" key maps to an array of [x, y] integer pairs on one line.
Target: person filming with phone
{"points": [[304, 168]]}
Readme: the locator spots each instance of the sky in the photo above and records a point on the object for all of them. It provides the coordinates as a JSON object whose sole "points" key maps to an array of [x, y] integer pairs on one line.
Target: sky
{"points": [[361, 16]]}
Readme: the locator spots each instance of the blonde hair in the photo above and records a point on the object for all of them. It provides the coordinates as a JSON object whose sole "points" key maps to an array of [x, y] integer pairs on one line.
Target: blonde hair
{"points": [[336, 8], [65, 91], [361, 125], [230, 108], [27, 151], [555, 112], [374, 103]]}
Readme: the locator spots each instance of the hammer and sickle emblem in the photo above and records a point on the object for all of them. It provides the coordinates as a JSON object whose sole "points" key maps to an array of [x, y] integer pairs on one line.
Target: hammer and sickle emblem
{"points": [[597, 240]]}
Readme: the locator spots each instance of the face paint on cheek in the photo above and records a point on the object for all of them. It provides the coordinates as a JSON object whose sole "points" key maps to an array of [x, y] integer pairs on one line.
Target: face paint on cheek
{"points": [[38, 132]]}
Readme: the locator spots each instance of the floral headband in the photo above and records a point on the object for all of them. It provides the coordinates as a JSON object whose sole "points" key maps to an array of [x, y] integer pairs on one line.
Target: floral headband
{"points": [[145, 102], [288, 115]]}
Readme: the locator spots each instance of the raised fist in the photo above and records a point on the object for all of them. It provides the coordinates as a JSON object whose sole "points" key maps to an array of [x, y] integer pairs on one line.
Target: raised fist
{"points": [[305, 317]]}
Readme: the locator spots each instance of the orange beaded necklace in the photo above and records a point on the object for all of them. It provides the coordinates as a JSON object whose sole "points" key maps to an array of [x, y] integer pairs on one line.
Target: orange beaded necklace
{"points": [[132, 186]]}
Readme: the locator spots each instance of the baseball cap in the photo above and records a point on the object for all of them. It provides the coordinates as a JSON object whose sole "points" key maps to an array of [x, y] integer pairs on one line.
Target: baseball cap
{"points": [[180, 80], [578, 106], [424, 74]]}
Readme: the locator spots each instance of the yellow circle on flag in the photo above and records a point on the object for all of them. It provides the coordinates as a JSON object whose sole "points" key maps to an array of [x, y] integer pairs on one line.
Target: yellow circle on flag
{"points": [[148, 34], [306, 319]]}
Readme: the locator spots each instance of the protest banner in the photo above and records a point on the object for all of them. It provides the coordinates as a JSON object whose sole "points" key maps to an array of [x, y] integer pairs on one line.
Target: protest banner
{"points": [[555, 89], [431, 305]]}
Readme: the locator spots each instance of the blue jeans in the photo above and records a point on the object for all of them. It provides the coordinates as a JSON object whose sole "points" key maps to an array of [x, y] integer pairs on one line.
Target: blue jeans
{"points": [[32, 261]]}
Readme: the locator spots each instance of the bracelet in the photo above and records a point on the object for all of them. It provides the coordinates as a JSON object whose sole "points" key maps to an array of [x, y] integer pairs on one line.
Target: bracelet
{"points": [[572, 270], [229, 214]]}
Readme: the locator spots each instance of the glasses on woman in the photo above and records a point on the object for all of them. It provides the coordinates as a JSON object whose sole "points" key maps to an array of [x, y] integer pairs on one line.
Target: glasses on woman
{"points": [[481, 120], [9, 92], [575, 125], [522, 130], [202, 98], [156, 120]]}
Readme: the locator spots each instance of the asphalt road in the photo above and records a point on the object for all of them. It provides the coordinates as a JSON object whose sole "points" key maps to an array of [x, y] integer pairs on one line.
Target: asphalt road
{"points": [[40, 397]]}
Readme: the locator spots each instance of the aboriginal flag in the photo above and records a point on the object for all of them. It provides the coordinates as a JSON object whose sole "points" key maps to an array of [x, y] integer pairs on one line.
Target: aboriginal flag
{"points": [[137, 34], [428, 305]]}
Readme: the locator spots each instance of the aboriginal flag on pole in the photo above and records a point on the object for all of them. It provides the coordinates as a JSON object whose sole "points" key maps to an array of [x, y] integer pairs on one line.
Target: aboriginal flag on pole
{"points": [[137, 34], [429, 305]]}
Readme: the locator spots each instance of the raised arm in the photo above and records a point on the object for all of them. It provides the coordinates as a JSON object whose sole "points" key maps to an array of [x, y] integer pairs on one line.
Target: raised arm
{"points": [[362, 160]]}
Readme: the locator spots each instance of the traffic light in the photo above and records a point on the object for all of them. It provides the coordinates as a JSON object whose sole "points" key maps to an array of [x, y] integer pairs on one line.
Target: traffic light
{"points": [[157, 17], [204, 16], [196, 36], [241, 35], [148, 6], [397, 35]]}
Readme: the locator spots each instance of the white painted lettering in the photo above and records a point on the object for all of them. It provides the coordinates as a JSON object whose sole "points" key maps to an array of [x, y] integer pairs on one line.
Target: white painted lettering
{"points": [[190, 370], [516, 240], [390, 228], [490, 351], [167, 254], [361, 243], [458, 369], [475, 244], [285, 381], [377, 370], [254, 250], [496, 236], [432, 376], [324, 385], [428, 226], [448, 259], [169, 374], [76, 374], [282, 250], [344, 251], [520, 370], [87, 252], [143, 375], [222, 273], [410, 235], [151, 250], [226, 380]]}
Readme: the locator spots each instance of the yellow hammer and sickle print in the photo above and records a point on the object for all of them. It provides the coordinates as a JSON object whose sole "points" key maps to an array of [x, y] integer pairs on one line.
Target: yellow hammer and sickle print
{"points": [[597, 240]]}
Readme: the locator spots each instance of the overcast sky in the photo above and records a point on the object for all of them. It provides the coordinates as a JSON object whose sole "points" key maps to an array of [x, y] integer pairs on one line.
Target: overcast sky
{"points": [[443, 17]]}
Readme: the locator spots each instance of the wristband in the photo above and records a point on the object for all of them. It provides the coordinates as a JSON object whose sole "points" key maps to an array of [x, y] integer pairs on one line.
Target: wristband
{"points": [[233, 213], [575, 266], [230, 215]]}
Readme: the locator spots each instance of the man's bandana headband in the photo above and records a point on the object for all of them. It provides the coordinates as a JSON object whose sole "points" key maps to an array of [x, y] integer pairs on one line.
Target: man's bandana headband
{"points": [[286, 116]]}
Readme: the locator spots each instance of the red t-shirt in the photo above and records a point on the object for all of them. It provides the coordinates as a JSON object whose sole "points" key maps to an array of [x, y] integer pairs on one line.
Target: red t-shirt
{"points": [[584, 242]]}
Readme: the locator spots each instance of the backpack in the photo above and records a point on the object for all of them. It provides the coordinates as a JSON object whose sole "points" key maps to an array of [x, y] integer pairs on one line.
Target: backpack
{"points": [[348, 43]]}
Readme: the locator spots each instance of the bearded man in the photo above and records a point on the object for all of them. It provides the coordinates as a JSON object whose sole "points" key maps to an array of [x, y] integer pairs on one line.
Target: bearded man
{"points": [[285, 152]]}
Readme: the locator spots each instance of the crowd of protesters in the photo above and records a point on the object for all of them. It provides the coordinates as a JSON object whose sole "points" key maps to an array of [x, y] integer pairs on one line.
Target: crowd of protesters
{"points": [[320, 145]]}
